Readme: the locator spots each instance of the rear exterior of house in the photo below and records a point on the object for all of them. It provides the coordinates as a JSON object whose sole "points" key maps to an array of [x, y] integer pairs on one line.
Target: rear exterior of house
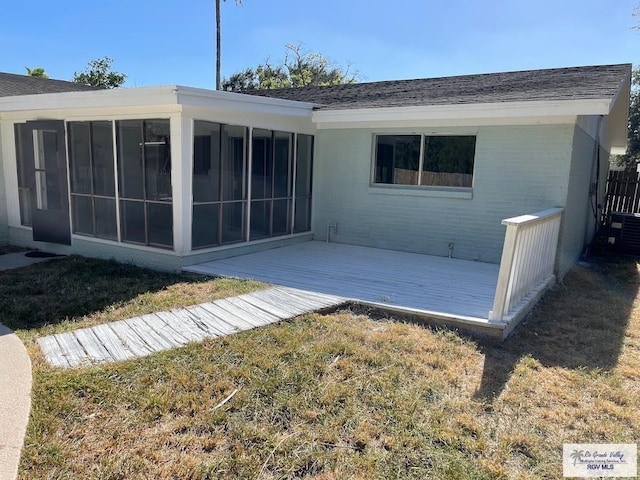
{"points": [[172, 176], [517, 170]]}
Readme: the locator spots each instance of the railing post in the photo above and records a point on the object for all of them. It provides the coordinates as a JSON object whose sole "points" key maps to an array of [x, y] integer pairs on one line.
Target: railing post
{"points": [[528, 258], [504, 276]]}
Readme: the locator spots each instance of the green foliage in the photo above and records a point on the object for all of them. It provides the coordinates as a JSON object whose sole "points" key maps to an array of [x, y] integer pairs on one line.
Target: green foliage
{"points": [[298, 69], [36, 72], [630, 159], [99, 74]]}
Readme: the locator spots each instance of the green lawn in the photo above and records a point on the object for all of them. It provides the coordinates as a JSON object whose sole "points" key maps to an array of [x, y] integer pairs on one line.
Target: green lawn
{"points": [[325, 396]]}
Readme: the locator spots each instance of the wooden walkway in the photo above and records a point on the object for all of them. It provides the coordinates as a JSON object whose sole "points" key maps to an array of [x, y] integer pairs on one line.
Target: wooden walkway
{"points": [[141, 336]]}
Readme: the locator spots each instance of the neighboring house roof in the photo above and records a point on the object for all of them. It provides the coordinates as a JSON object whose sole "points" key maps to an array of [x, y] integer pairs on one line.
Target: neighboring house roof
{"points": [[12, 85], [575, 83]]}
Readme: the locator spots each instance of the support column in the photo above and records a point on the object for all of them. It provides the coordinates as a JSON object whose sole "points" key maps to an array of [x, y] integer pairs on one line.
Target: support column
{"points": [[181, 181]]}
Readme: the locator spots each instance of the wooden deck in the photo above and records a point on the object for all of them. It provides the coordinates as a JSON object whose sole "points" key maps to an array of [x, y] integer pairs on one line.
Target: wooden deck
{"points": [[141, 336], [455, 291]]}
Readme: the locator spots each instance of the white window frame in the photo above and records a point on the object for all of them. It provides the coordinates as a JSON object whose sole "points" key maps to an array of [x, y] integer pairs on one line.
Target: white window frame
{"points": [[464, 192]]}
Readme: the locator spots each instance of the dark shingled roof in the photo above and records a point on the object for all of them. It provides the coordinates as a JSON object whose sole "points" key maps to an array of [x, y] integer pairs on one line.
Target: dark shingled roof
{"points": [[12, 85], [575, 83]]}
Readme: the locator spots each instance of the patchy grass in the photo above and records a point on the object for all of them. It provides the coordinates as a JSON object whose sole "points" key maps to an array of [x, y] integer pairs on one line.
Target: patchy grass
{"points": [[344, 396], [73, 292]]}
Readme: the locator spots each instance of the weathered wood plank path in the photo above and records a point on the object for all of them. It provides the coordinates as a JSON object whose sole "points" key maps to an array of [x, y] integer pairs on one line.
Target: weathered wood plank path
{"points": [[147, 334]]}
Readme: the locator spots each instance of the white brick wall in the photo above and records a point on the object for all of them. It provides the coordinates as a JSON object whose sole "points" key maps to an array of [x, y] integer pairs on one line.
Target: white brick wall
{"points": [[518, 170], [578, 222]]}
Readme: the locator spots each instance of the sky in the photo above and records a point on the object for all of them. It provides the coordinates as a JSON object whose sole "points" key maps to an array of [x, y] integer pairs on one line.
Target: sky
{"points": [[167, 42]]}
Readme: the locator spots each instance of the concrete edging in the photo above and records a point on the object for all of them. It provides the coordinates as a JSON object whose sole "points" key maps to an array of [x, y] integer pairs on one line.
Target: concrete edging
{"points": [[15, 401]]}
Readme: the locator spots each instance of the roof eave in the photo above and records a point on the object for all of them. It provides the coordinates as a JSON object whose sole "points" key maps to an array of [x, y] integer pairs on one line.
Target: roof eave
{"points": [[91, 99], [619, 118], [147, 96], [500, 110], [238, 101]]}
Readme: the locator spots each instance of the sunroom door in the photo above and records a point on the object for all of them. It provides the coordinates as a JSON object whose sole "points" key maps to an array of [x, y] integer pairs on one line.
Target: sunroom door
{"points": [[45, 145]]}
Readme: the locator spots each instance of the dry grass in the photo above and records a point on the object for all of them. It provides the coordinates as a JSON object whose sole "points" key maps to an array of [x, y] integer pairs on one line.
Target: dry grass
{"points": [[344, 396], [73, 292]]}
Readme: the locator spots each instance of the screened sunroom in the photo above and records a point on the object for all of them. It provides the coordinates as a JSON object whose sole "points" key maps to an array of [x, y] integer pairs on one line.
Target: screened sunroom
{"points": [[165, 176]]}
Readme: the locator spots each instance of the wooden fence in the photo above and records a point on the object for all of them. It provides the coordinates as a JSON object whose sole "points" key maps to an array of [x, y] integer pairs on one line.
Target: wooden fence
{"points": [[623, 193], [528, 261], [404, 176]]}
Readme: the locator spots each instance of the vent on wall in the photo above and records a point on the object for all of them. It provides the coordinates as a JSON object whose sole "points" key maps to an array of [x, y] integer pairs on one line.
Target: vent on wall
{"points": [[624, 232]]}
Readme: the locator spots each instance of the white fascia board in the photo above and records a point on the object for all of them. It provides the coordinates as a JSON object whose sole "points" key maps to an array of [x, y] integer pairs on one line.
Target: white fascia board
{"points": [[199, 97], [477, 111], [119, 97], [618, 119], [147, 96], [448, 123]]}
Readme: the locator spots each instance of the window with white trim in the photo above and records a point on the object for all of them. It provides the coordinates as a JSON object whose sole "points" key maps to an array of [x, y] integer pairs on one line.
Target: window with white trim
{"points": [[424, 160]]}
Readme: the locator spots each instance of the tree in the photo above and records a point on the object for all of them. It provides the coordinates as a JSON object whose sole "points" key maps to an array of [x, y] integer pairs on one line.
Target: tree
{"points": [[98, 73], [298, 69], [37, 72], [630, 159], [218, 35]]}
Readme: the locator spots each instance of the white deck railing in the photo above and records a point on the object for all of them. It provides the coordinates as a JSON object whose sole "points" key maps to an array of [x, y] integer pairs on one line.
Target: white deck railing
{"points": [[528, 260]]}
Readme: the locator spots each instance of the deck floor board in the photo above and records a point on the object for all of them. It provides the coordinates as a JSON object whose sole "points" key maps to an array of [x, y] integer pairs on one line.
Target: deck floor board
{"points": [[184, 329], [116, 347], [165, 334], [95, 349], [251, 314], [241, 317], [223, 324], [53, 353], [130, 338], [209, 329], [70, 348], [148, 335], [398, 279]]}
